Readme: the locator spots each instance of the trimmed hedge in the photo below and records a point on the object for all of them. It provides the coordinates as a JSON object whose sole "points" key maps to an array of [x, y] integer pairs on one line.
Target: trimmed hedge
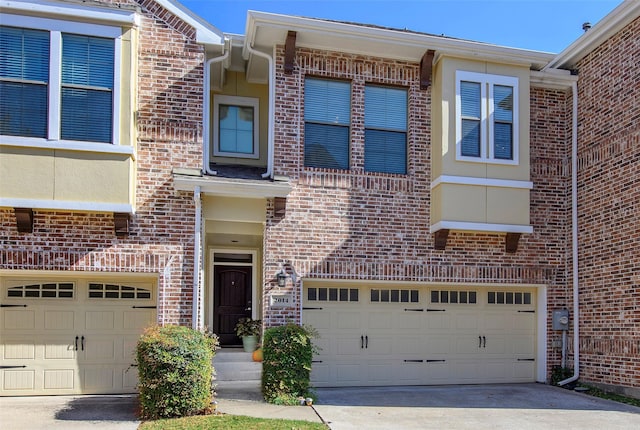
{"points": [[286, 364], [175, 371]]}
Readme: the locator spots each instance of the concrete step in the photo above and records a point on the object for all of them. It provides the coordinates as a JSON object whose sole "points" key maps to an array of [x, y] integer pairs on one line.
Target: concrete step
{"points": [[236, 365]]}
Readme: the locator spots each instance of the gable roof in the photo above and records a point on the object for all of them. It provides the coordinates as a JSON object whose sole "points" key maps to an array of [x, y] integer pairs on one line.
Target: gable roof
{"points": [[205, 33]]}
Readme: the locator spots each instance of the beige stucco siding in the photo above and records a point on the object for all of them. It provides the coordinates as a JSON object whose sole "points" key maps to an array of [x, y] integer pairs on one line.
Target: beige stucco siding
{"points": [[234, 209], [26, 173], [236, 85]]}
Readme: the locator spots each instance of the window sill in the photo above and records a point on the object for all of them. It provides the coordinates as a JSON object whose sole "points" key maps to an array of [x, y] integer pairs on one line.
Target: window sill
{"points": [[487, 160], [106, 148]]}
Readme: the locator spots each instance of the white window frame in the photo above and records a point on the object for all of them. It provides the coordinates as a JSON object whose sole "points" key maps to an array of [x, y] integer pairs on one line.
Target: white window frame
{"points": [[487, 82], [55, 28], [221, 99]]}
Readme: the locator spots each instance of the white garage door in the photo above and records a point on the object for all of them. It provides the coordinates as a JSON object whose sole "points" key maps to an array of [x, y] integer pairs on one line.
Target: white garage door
{"points": [[420, 336], [71, 336]]}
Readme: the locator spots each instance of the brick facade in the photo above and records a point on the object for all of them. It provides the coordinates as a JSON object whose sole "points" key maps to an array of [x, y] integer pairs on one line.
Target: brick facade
{"points": [[609, 212], [169, 132]]}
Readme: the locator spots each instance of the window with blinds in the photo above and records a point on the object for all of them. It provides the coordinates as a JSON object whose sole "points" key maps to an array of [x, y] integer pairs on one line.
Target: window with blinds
{"points": [[57, 85], [327, 120], [486, 118], [385, 134]]}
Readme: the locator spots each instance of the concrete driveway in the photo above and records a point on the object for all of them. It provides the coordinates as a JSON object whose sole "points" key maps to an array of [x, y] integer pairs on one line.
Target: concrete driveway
{"points": [[495, 407], [69, 412]]}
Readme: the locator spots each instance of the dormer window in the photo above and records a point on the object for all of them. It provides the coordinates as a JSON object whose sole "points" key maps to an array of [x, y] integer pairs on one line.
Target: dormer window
{"points": [[486, 118]]}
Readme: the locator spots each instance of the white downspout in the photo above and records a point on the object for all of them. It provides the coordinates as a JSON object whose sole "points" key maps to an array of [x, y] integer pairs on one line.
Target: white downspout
{"points": [[206, 116], [197, 236], [574, 238], [272, 104]]}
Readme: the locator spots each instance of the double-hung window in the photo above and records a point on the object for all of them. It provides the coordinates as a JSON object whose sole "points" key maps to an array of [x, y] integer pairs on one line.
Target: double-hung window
{"points": [[385, 134], [58, 81], [327, 119], [237, 131], [486, 118]]}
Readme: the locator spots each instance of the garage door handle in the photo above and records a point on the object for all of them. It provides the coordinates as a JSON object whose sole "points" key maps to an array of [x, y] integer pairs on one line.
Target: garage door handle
{"points": [[76, 343], [361, 342], [82, 342], [479, 341], [484, 342], [366, 342]]}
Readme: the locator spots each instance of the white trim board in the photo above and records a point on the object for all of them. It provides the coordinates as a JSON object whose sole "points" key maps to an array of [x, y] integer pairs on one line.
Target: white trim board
{"points": [[486, 182], [478, 226], [66, 205]]}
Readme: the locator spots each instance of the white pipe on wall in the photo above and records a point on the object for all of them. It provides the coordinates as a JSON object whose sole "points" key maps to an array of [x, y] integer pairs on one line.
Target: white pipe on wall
{"points": [[197, 236], [574, 236]]}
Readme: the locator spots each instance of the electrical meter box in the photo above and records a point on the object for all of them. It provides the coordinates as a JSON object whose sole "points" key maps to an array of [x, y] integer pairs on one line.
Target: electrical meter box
{"points": [[560, 319]]}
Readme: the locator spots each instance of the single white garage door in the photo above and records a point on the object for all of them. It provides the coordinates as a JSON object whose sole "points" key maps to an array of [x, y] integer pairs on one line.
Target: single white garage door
{"points": [[71, 336], [376, 336]]}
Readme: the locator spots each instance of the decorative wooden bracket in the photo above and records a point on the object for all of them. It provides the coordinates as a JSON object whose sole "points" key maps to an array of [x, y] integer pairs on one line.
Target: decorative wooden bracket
{"points": [[24, 220], [289, 52], [511, 242], [121, 223], [279, 206], [441, 239], [426, 66]]}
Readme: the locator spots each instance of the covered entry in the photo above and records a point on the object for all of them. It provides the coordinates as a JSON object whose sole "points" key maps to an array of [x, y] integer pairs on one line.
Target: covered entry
{"points": [[72, 336], [397, 335]]}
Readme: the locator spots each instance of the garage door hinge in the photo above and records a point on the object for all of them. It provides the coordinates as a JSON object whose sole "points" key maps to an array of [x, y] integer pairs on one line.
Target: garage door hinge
{"points": [[414, 361], [436, 310], [414, 310], [12, 367], [316, 361], [435, 361], [144, 307], [13, 306], [311, 309], [526, 359], [528, 312]]}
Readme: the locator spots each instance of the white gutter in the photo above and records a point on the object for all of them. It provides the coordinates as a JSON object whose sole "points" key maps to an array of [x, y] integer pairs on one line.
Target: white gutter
{"points": [[272, 104], [206, 116], [574, 237], [197, 236]]}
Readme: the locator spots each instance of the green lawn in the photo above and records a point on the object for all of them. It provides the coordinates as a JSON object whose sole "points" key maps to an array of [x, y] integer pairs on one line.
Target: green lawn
{"points": [[229, 422]]}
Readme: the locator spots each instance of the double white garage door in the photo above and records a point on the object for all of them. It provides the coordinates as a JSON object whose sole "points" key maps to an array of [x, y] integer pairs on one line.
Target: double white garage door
{"points": [[376, 336], [71, 336]]}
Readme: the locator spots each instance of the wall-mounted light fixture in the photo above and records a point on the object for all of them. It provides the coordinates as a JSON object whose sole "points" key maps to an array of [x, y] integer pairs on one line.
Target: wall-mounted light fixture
{"points": [[282, 276]]}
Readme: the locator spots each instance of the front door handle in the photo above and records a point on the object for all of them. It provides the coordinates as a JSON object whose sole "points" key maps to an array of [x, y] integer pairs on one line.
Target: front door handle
{"points": [[247, 309]]}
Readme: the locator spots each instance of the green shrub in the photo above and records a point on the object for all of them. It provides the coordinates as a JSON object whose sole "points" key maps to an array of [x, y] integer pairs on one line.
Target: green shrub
{"points": [[286, 366], [175, 371]]}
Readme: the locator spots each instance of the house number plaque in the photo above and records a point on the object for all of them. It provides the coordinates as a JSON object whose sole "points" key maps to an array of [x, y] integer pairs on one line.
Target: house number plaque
{"points": [[281, 300]]}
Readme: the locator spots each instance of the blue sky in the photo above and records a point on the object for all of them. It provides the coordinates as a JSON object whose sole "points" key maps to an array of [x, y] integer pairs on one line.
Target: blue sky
{"points": [[544, 25]]}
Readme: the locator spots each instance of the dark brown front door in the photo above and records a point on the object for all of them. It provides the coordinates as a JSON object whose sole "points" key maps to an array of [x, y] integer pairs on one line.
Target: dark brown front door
{"points": [[231, 301]]}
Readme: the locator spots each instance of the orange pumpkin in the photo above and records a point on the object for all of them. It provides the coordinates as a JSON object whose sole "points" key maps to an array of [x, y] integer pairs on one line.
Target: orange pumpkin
{"points": [[257, 354]]}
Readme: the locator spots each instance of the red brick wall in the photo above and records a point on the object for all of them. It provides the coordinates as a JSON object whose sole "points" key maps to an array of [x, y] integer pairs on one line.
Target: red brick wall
{"points": [[370, 226], [169, 127], [609, 210]]}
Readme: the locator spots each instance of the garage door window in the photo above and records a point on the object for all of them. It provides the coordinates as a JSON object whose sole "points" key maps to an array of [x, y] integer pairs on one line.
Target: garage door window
{"points": [[116, 291], [50, 290], [394, 296], [508, 298], [332, 294], [453, 296]]}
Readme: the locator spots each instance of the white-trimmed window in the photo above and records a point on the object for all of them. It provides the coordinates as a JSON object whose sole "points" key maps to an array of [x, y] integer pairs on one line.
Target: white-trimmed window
{"points": [[59, 81], [236, 131], [486, 118], [385, 129]]}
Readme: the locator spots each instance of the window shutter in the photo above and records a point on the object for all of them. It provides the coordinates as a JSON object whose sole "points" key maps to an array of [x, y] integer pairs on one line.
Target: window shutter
{"points": [[87, 88], [24, 56]]}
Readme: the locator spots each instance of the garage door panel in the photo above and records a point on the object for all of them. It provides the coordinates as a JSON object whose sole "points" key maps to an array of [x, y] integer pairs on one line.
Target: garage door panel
{"points": [[348, 373], [348, 345], [129, 378], [408, 344], [437, 372], [100, 320], [377, 372], [380, 345], [59, 379], [523, 370], [98, 379], [439, 345], [522, 345], [60, 349], [18, 349], [317, 319], [348, 321], [467, 321], [437, 321], [14, 381], [407, 321], [59, 320], [468, 344], [380, 320], [23, 319], [100, 349], [137, 319]]}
